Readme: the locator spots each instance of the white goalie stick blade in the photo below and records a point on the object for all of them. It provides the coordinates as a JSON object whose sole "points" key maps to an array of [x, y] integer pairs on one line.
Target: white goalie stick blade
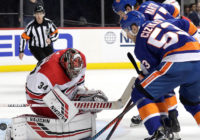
{"points": [[127, 93], [60, 105], [110, 105]]}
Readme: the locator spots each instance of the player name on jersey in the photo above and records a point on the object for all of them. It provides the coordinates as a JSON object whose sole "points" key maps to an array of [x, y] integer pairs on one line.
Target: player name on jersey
{"points": [[149, 28], [151, 9]]}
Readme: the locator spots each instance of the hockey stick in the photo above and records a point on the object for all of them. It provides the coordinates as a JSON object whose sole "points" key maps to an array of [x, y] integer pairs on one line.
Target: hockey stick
{"points": [[126, 109], [111, 105], [131, 58], [118, 121]]}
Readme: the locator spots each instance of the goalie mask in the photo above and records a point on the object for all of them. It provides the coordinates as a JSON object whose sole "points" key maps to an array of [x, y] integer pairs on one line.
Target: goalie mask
{"points": [[72, 62]]}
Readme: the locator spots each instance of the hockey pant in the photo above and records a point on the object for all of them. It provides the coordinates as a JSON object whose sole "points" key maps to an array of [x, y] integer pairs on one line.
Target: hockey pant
{"points": [[164, 79]]}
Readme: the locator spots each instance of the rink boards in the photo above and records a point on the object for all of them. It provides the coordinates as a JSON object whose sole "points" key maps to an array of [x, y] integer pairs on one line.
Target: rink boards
{"points": [[105, 48]]}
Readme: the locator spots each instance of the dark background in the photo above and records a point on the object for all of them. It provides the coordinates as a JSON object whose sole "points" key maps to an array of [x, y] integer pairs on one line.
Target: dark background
{"points": [[76, 13]]}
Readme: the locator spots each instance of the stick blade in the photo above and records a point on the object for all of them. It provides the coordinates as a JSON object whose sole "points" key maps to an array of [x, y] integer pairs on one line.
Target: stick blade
{"points": [[127, 92]]}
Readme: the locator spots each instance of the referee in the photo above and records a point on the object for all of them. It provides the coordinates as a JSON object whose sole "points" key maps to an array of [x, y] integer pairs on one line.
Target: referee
{"points": [[40, 33]]}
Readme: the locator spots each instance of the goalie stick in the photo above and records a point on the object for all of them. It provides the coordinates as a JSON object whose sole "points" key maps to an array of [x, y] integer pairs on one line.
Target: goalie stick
{"points": [[111, 105]]}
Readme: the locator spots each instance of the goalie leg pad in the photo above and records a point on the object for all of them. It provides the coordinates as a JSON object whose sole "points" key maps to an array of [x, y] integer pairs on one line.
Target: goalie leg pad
{"points": [[36, 127]]}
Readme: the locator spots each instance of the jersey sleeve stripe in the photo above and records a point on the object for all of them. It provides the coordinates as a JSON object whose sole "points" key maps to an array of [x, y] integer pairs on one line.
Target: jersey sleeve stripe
{"points": [[192, 29], [54, 35], [56, 31], [25, 36], [176, 12], [82, 80], [34, 95], [34, 101], [190, 46]]}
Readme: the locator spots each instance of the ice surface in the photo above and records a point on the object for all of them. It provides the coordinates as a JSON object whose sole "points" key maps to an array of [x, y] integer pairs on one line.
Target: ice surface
{"points": [[113, 83]]}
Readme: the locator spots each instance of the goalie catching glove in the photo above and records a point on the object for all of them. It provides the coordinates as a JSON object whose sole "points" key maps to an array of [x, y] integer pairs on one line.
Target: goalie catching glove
{"points": [[91, 95]]}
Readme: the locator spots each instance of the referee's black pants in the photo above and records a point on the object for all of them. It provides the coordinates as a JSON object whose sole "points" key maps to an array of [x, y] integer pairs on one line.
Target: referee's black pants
{"points": [[41, 53]]}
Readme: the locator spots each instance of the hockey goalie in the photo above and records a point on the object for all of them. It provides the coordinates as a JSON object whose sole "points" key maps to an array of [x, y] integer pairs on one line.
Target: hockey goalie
{"points": [[55, 82]]}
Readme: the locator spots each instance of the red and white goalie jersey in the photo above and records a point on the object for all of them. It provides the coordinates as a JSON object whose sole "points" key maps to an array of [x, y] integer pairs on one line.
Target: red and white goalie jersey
{"points": [[48, 74]]}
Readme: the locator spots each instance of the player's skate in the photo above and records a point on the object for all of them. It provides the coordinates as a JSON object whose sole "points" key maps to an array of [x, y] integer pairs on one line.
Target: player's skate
{"points": [[136, 121], [174, 124], [161, 134], [176, 136]]}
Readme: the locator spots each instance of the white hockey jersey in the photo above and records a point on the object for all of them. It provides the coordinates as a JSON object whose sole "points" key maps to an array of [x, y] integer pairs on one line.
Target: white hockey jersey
{"points": [[49, 74]]}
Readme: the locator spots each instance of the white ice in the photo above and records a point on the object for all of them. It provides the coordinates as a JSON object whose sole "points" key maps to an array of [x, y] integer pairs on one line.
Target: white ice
{"points": [[113, 83]]}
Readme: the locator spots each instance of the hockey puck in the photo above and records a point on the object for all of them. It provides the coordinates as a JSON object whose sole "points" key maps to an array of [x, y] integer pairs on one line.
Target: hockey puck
{"points": [[3, 126]]}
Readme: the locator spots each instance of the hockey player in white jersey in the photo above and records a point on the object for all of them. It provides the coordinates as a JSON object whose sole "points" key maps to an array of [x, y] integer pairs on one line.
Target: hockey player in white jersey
{"points": [[64, 69], [54, 81]]}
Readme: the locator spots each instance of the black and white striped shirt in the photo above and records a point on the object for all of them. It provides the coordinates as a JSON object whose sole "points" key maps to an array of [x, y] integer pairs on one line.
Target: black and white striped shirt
{"points": [[37, 34]]}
